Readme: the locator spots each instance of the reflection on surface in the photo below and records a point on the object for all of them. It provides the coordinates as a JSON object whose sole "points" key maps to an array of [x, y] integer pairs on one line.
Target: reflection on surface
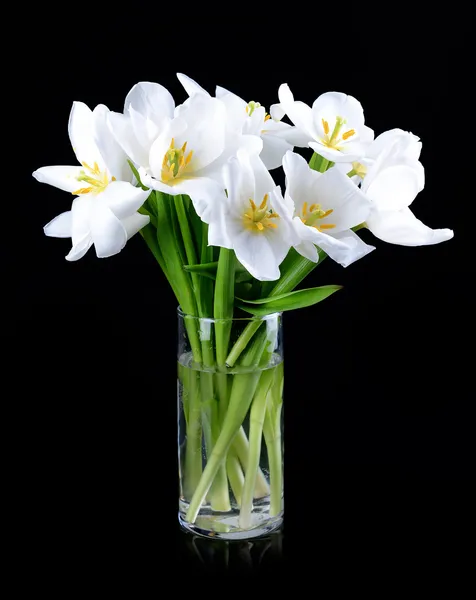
{"points": [[247, 555]]}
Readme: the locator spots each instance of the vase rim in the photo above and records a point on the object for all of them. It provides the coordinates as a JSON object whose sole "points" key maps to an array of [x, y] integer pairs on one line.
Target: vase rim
{"points": [[269, 317]]}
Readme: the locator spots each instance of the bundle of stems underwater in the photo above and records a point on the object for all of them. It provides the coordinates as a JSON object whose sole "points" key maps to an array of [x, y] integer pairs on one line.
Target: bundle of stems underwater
{"points": [[205, 280]]}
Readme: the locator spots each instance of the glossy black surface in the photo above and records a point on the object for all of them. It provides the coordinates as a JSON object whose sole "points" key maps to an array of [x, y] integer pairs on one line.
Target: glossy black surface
{"points": [[378, 432]]}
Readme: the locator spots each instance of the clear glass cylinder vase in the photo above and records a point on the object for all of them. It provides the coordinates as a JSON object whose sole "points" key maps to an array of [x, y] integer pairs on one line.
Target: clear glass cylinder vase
{"points": [[230, 425]]}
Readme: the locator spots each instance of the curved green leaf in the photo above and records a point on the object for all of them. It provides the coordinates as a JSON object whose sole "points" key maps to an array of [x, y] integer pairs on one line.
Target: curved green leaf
{"points": [[289, 301]]}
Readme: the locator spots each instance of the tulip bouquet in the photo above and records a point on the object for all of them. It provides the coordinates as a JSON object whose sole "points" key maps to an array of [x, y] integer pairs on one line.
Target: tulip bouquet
{"points": [[195, 181]]}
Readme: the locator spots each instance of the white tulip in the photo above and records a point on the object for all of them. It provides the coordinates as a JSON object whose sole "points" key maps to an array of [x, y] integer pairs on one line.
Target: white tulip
{"points": [[393, 180], [334, 126], [254, 220], [251, 118], [105, 211], [326, 207], [181, 150]]}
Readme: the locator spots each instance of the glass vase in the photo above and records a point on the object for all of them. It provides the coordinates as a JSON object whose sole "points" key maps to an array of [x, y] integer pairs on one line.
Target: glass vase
{"points": [[230, 425]]}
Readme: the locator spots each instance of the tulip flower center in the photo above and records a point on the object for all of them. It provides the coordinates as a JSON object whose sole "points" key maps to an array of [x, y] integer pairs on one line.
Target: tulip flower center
{"points": [[96, 179], [175, 162], [252, 106], [258, 219], [313, 215], [332, 140]]}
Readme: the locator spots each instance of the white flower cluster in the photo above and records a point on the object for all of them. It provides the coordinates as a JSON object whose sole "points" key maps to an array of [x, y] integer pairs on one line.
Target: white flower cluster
{"points": [[219, 151]]}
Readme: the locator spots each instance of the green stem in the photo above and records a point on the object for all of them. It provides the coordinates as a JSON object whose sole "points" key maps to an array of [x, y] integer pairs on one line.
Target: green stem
{"points": [[189, 246], [244, 386], [275, 454], [171, 254], [224, 303], [319, 163], [193, 448], [241, 343], [242, 448], [235, 474], [257, 414]]}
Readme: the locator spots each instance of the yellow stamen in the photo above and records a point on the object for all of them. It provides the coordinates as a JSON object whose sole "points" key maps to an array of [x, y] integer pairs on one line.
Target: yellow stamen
{"points": [[327, 213], [304, 208], [257, 219], [184, 147], [113, 178], [247, 109], [267, 117], [181, 161], [325, 124], [313, 207], [82, 191], [348, 134], [189, 157], [172, 143], [326, 226]]}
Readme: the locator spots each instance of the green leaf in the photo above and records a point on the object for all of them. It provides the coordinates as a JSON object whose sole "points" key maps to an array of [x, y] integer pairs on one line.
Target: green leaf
{"points": [[294, 269], [202, 269], [210, 270], [289, 301], [136, 175]]}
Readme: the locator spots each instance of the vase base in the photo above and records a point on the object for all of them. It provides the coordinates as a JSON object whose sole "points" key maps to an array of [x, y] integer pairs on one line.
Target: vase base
{"points": [[225, 526]]}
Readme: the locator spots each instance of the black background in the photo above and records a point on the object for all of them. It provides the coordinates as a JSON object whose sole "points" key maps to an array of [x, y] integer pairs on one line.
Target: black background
{"points": [[378, 429]]}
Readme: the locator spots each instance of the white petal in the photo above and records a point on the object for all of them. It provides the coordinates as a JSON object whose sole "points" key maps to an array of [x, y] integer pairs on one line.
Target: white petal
{"points": [[205, 135], [220, 92], [277, 112], [366, 135], [134, 223], [335, 104], [357, 248], [338, 250], [405, 229], [299, 179], [112, 153], [107, 231], [160, 146], [121, 126], [123, 198], [397, 141], [80, 218], [396, 187], [335, 191], [191, 86], [217, 217], [292, 135], [60, 226], [263, 182], [81, 134], [203, 192], [80, 248], [236, 111], [64, 178], [308, 250], [338, 155], [145, 130], [152, 101], [299, 113], [255, 253], [274, 148], [80, 214]]}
